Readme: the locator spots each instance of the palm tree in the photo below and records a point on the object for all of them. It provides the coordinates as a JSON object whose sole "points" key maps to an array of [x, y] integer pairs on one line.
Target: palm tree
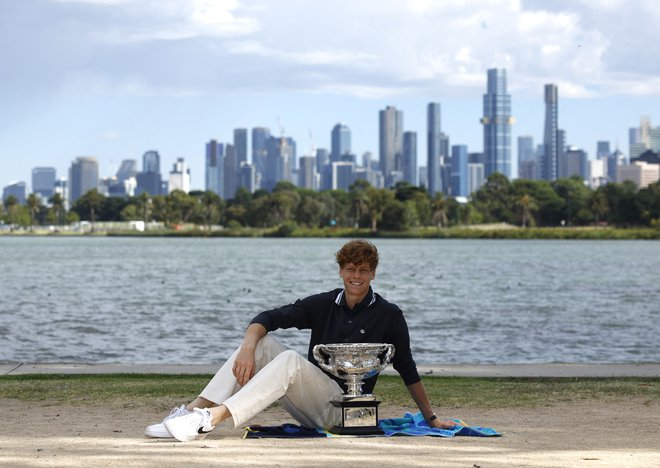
{"points": [[33, 203], [439, 210], [526, 205], [58, 205]]}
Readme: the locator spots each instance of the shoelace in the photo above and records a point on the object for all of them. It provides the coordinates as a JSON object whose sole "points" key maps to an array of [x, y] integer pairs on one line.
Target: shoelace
{"points": [[177, 411]]}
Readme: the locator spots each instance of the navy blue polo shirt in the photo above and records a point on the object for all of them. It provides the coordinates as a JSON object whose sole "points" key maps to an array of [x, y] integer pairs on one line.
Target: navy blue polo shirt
{"points": [[374, 320]]}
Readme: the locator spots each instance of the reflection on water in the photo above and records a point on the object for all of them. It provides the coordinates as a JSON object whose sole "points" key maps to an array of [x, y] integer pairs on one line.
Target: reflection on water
{"points": [[159, 300]]}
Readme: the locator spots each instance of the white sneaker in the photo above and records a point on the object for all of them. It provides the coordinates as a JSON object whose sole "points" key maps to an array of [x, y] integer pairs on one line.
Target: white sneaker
{"points": [[159, 431], [192, 426]]}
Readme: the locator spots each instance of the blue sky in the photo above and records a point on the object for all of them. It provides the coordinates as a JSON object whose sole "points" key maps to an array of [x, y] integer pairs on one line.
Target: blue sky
{"points": [[114, 78]]}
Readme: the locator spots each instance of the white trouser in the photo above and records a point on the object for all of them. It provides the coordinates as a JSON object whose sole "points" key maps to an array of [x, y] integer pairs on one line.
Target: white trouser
{"points": [[281, 374]]}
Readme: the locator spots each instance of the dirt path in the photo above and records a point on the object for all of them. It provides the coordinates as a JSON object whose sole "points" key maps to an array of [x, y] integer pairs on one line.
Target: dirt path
{"points": [[587, 434]]}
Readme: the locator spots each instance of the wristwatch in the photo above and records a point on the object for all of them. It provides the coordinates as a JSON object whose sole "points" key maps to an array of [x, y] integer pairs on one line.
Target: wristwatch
{"points": [[433, 417]]}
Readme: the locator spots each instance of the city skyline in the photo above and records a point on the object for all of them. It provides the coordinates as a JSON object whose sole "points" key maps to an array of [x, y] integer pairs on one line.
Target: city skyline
{"points": [[113, 79]]}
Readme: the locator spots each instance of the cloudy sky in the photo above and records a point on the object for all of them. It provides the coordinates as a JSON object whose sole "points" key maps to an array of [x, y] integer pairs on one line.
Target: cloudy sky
{"points": [[114, 78]]}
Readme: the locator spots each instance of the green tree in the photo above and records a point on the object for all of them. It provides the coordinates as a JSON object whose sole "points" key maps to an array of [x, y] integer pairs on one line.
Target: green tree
{"points": [[310, 210], [439, 210], [283, 202], [396, 216], [57, 202], [576, 196], [598, 204], [88, 206], [212, 204], [527, 206], [494, 199], [377, 201], [11, 203], [359, 200], [649, 201], [549, 205], [181, 207], [144, 206], [34, 204]]}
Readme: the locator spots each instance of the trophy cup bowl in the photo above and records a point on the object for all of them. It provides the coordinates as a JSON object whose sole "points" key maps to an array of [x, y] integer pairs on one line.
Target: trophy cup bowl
{"points": [[355, 362]]}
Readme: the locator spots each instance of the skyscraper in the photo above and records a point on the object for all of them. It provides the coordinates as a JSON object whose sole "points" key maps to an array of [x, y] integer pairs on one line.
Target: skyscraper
{"points": [[248, 177], [550, 158], [410, 157], [151, 161], [340, 139], [280, 153], [342, 175], [497, 121], [260, 136], [526, 157], [150, 180], [215, 165], [127, 169], [231, 172], [83, 177], [43, 182], [16, 190], [391, 142], [459, 171], [241, 144], [603, 150], [307, 173], [179, 177], [433, 148]]}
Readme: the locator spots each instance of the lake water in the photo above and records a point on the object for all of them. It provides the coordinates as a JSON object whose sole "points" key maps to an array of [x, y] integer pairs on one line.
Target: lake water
{"points": [[159, 300]]}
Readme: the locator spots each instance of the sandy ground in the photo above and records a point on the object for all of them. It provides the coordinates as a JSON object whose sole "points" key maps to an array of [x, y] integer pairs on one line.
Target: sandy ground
{"points": [[586, 434]]}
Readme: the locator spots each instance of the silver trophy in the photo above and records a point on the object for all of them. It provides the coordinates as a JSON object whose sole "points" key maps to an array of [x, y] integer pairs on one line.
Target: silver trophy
{"points": [[355, 362]]}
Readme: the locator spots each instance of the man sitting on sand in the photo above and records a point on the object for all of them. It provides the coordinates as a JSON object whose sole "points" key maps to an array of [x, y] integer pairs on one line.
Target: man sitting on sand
{"points": [[262, 371]]}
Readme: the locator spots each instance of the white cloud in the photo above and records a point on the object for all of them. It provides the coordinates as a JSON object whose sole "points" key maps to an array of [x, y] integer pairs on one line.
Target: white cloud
{"points": [[170, 20], [369, 48]]}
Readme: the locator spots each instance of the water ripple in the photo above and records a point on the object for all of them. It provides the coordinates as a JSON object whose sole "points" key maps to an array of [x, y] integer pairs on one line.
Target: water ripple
{"points": [[189, 300]]}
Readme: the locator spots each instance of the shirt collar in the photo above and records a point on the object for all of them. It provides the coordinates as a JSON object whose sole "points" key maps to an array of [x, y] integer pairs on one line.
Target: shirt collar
{"points": [[368, 300]]}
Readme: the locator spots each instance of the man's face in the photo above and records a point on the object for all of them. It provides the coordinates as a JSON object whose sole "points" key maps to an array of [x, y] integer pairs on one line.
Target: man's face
{"points": [[357, 278]]}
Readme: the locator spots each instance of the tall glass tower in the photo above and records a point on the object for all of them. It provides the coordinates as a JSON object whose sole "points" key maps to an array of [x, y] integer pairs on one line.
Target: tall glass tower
{"points": [[551, 148], [391, 142], [433, 147], [410, 157], [241, 144], [340, 142], [497, 121], [83, 176], [260, 136]]}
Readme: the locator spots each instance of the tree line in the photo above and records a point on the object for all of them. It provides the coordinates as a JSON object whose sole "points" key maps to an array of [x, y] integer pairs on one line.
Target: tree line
{"points": [[527, 203]]}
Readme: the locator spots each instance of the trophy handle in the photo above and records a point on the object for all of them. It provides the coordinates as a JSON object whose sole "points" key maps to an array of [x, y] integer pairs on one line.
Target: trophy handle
{"points": [[320, 352], [386, 356]]}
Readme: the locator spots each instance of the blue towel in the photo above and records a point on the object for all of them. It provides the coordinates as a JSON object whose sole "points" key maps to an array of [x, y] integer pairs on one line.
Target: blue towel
{"points": [[409, 425], [416, 425], [285, 431]]}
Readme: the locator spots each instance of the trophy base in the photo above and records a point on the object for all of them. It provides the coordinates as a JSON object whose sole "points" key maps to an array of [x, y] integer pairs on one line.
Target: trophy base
{"points": [[358, 431], [358, 417]]}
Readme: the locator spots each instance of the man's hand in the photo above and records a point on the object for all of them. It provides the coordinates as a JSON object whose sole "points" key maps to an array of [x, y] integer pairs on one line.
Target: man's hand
{"points": [[437, 423], [244, 365]]}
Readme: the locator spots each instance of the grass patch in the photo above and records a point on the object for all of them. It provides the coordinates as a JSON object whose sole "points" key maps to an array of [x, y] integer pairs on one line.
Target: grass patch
{"points": [[159, 390]]}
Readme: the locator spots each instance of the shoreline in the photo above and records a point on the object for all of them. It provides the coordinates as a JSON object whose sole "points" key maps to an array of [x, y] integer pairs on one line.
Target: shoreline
{"points": [[455, 232], [548, 370]]}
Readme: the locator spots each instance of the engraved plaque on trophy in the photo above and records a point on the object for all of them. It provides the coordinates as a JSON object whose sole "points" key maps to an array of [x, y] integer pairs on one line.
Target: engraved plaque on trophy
{"points": [[355, 362]]}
